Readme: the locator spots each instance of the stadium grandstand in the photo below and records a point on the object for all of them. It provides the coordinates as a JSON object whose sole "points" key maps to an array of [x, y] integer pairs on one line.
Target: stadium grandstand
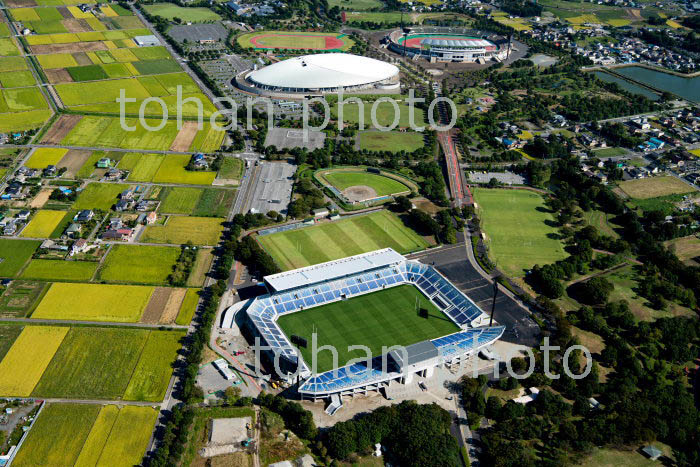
{"points": [[325, 73], [444, 44], [341, 281]]}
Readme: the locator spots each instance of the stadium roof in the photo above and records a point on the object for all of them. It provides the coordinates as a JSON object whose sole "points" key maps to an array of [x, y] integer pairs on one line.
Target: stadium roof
{"points": [[331, 70], [456, 42], [332, 269]]}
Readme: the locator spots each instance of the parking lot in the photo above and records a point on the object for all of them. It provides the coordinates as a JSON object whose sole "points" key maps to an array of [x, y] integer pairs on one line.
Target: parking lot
{"points": [[288, 138], [507, 178], [274, 188]]}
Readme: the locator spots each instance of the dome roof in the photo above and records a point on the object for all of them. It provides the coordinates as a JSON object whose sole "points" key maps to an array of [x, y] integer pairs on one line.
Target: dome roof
{"points": [[330, 70]]}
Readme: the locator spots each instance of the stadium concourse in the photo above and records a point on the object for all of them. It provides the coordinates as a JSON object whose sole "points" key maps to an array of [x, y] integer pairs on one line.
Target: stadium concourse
{"points": [[339, 282]]}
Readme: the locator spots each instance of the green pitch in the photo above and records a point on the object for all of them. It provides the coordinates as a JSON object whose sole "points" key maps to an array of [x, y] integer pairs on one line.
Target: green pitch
{"points": [[333, 240], [519, 228], [382, 186], [385, 318]]}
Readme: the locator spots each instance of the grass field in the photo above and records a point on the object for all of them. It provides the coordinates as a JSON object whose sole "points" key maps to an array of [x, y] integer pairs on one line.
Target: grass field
{"points": [[609, 152], [180, 230], [392, 141], [99, 196], [353, 5], [51, 269], [346, 237], [58, 435], [43, 223], [27, 359], [43, 157], [170, 11], [516, 224], [382, 186], [654, 187], [686, 248], [188, 307], [615, 458], [15, 254], [601, 221], [154, 368], [94, 302], [214, 202], [180, 200], [384, 318], [141, 264], [232, 168], [385, 114]]}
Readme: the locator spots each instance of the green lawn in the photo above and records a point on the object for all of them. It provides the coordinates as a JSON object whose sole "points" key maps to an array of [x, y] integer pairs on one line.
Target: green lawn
{"points": [[141, 264], [170, 11], [516, 224], [384, 117], [383, 186], [385, 318], [14, 255], [99, 196], [49, 269], [338, 239], [392, 141]]}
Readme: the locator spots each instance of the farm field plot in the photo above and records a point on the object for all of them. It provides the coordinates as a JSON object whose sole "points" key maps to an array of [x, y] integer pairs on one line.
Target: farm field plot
{"points": [[385, 114], [146, 166], [202, 264], [22, 99], [384, 318], [22, 121], [58, 435], [188, 308], [172, 170], [231, 169], [516, 250], [94, 302], [686, 248], [180, 230], [129, 437], [43, 223], [8, 334], [51, 269], [99, 196], [141, 264], [17, 79], [15, 254], [214, 202], [381, 185], [8, 47], [392, 141], [180, 200], [28, 358], [152, 373], [170, 11], [338, 239], [653, 187], [20, 297], [89, 455]]}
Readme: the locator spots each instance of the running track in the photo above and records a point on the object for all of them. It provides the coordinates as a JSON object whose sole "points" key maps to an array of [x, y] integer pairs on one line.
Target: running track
{"points": [[454, 174]]}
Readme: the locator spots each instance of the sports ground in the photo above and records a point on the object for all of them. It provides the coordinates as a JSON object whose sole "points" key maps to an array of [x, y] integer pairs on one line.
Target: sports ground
{"points": [[385, 318], [376, 185], [333, 240], [519, 229], [296, 40]]}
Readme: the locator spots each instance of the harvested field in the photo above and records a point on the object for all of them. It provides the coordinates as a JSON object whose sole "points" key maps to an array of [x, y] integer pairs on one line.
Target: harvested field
{"points": [[61, 128], [82, 59], [154, 310], [76, 25], [74, 160], [59, 75], [172, 308], [41, 199], [70, 47], [205, 256], [185, 137]]}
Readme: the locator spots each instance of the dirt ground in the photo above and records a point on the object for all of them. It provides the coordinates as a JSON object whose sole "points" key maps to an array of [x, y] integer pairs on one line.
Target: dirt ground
{"points": [[20, 3], [73, 161], [41, 198], [82, 58], [68, 48], [184, 138], [359, 193], [634, 14], [172, 307], [58, 75], [65, 12], [426, 205], [61, 128], [155, 307], [76, 25]]}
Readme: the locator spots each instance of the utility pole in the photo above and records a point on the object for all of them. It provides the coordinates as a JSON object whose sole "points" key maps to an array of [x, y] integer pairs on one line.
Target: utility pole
{"points": [[495, 294]]}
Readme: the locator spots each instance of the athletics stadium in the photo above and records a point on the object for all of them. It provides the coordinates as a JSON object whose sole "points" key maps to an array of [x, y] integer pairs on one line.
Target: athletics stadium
{"points": [[321, 74], [378, 300], [448, 45]]}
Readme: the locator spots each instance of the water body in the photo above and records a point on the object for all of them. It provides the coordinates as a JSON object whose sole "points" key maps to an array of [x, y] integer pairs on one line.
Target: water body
{"points": [[626, 85], [687, 88]]}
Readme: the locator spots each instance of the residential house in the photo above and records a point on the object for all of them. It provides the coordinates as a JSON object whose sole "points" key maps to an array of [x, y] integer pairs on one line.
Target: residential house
{"points": [[79, 246], [74, 230], [23, 215], [104, 163], [151, 218], [85, 215]]}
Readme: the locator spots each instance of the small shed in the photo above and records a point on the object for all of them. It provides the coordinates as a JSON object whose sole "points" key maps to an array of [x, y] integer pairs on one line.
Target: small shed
{"points": [[652, 452]]}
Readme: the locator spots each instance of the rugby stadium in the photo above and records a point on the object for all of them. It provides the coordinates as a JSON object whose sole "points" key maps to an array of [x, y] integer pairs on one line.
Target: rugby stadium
{"points": [[377, 300], [448, 45], [321, 74]]}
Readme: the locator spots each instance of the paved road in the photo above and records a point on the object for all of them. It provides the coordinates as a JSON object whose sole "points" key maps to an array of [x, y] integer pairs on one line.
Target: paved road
{"points": [[91, 323]]}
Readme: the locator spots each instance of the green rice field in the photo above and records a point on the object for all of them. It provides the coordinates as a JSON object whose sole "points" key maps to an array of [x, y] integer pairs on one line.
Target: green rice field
{"points": [[516, 225], [338, 239], [181, 229], [60, 270], [99, 196], [385, 318], [142, 264], [14, 254]]}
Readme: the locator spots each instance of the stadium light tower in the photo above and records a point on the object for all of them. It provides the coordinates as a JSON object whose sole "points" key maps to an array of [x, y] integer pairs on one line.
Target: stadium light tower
{"points": [[495, 294]]}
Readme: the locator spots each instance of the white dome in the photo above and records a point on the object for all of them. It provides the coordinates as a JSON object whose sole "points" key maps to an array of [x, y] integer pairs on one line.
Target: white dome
{"points": [[319, 71]]}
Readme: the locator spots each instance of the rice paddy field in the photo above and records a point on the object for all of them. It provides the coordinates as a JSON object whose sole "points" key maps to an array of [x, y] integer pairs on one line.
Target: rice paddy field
{"points": [[188, 308], [90, 363], [385, 318], [14, 254], [516, 250], [43, 224], [333, 240], [94, 302], [180, 229], [43, 157], [140, 264], [99, 196], [202, 202], [164, 168], [59, 270], [88, 435]]}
